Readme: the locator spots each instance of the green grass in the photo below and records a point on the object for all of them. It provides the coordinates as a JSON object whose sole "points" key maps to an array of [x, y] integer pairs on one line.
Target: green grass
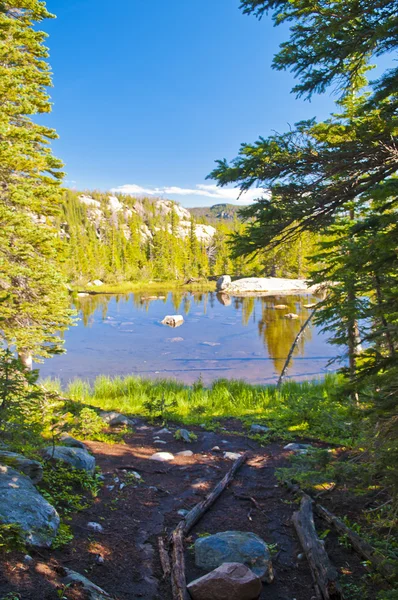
{"points": [[147, 286], [308, 409]]}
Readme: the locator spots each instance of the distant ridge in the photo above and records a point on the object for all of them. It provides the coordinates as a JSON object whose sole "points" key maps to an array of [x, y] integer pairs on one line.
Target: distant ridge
{"points": [[217, 212]]}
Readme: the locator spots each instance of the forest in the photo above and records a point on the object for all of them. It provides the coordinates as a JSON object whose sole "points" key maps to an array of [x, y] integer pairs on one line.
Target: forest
{"points": [[329, 215]]}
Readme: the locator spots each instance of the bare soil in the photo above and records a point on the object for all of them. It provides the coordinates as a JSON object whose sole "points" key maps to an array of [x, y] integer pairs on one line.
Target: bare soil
{"points": [[124, 559]]}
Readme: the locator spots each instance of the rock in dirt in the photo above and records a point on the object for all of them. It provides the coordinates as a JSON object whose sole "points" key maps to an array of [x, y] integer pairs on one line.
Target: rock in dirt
{"points": [[95, 526], [258, 429], [182, 512], [162, 456], [216, 449], [22, 504], [223, 282], [163, 431], [159, 442], [31, 468], [235, 546], [76, 457], [232, 455], [93, 591], [115, 419], [173, 320], [300, 448], [185, 453], [231, 581], [70, 441], [184, 435]]}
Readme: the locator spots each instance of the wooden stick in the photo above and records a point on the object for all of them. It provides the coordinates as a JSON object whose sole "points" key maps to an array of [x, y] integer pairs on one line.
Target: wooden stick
{"points": [[361, 546], [324, 574], [289, 356], [198, 511], [164, 558], [178, 579]]}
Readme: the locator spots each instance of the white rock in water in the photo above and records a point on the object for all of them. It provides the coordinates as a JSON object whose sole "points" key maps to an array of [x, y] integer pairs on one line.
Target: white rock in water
{"points": [[291, 316], [173, 320], [223, 282], [162, 456]]}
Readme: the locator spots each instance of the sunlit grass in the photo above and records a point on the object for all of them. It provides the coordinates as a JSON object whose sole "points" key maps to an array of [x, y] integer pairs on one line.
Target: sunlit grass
{"points": [[145, 286], [308, 409]]}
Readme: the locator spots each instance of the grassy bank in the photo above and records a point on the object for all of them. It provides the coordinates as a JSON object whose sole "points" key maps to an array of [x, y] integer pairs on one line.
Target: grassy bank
{"points": [[147, 286], [306, 409]]}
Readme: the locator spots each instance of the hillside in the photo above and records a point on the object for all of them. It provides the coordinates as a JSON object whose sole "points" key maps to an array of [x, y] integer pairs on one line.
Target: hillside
{"points": [[217, 212]]}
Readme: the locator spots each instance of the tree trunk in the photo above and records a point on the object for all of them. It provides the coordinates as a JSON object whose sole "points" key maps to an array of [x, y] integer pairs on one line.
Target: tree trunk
{"points": [[390, 343], [26, 359], [289, 356]]}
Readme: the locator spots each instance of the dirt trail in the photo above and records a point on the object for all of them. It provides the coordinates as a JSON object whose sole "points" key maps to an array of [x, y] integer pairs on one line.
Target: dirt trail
{"points": [[134, 515]]}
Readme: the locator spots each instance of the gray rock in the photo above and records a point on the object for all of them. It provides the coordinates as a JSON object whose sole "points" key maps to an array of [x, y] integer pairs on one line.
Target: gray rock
{"points": [[163, 431], [300, 448], [159, 442], [76, 457], [232, 455], [291, 316], [162, 456], [216, 449], [230, 581], [258, 429], [31, 468], [182, 512], [70, 441], [183, 434], [185, 453], [93, 591], [223, 282], [115, 419], [234, 546], [95, 526], [173, 320], [22, 504], [27, 559]]}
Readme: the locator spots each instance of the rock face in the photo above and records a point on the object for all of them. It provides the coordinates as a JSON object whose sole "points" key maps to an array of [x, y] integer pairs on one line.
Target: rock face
{"points": [[223, 282], [115, 419], [76, 457], [93, 591], [235, 546], [70, 441], [268, 286], [31, 468], [22, 504], [173, 320], [183, 434], [231, 581]]}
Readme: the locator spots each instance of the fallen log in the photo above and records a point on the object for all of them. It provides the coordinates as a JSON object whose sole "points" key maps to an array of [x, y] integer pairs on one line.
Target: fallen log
{"points": [[178, 579], [323, 572], [363, 548], [199, 510]]}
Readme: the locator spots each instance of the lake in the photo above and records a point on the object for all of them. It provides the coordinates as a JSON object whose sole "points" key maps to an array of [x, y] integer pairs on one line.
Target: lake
{"points": [[221, 337]]}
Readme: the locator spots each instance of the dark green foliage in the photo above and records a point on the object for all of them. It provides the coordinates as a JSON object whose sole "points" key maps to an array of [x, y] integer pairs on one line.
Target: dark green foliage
{"points": [[160, 407], [11, 538]]}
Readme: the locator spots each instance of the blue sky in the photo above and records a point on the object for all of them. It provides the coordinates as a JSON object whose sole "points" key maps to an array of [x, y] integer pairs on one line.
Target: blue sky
{"points": [[148, 93]]}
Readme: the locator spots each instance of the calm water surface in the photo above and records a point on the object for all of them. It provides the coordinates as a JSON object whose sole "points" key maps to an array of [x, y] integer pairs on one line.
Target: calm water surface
{"points": [[221, 337]]}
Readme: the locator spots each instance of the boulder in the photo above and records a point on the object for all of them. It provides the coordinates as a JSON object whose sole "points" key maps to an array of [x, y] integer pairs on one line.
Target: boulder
{"points": [[115, 419], [68, 440], [235, 546], [75, 579], [185, 453], [162, 456], [230, 581], [21, 503], [232, 455], [31, 468], [300, 448], [173, 320], [268, 286], [223, 282], [258, 429], [76, 457], [98, 282]]}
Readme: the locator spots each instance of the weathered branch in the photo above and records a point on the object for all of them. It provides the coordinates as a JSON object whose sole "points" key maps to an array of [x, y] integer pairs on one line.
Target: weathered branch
{"points": [[178, 579], [164, 558], [323, 572]]}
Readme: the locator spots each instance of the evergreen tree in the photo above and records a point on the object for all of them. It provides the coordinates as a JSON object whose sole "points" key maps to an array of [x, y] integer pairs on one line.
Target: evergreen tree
{"points": [[33, 297]]}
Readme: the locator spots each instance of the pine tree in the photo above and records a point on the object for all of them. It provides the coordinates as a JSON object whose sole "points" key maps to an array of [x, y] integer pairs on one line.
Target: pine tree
{"points": [[33, 297]]}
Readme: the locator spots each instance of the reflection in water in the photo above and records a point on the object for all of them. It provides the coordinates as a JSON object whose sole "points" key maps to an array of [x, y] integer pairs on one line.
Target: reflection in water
{"points": [[222, 336]]}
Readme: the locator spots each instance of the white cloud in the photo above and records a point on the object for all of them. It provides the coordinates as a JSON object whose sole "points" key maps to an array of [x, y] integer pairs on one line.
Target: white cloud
{"points": [[204, 190]]}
